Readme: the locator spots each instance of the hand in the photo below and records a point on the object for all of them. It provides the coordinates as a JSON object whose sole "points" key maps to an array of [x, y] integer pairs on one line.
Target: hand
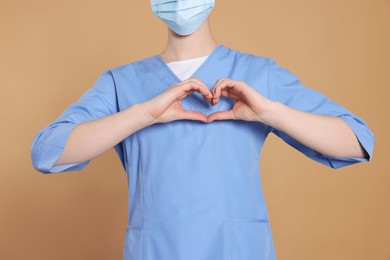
{"points": [[167, 106], [249, 104]]}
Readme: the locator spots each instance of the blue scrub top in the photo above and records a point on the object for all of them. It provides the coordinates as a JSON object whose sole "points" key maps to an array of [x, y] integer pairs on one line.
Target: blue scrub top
{"points": [[194, 188]]}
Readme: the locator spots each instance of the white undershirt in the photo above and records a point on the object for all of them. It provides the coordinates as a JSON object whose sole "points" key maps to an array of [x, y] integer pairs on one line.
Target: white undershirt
{"points": [[185, 68]]}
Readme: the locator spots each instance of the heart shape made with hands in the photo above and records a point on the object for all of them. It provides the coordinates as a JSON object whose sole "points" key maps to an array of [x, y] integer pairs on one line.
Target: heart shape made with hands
{"points": [[248, 103], [197, 104]]}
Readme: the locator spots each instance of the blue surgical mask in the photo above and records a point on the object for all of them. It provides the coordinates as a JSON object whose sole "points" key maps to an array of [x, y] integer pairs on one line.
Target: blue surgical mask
{"points": [[183, 17]]}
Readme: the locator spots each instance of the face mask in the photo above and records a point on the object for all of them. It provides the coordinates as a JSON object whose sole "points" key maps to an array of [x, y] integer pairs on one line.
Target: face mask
{"points": [[183, 17]]}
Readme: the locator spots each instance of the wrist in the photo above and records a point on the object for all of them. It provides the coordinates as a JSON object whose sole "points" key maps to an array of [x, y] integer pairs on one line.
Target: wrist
{"points": [[144, 117], [270, 112]]}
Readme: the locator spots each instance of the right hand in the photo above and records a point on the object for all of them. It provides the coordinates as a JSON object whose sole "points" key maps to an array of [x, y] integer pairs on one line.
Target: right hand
{"points": [[167, 106]]}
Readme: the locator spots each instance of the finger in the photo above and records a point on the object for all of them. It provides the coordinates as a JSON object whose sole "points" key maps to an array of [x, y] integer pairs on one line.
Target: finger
{"points": [[184, 82], [201, 82], [221, 115], [192, 115], [217, 83], [230, 94], [219, 80], [192, 86], [196, 80], [231, 86], [210, 94], [239, 90], [227, 87], [216, 94]]}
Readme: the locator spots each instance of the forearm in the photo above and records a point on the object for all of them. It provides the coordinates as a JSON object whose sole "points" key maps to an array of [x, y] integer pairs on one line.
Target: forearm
{"points": [[92, 138], [328, 135]]}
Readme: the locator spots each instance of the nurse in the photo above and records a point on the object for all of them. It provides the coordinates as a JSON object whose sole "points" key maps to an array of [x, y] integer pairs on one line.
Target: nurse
{"points": [[188, 125]]}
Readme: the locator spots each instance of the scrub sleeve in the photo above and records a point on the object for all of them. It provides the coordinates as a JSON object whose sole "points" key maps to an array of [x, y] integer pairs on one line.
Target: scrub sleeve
{"points": [[287, 88], [97, 102]]}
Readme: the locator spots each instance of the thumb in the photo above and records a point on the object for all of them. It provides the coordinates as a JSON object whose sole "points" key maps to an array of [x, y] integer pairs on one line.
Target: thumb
{"points": [[192, 115], [221, 115]]}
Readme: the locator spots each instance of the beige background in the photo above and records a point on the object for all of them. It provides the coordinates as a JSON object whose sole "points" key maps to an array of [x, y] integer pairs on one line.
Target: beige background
{"points": [[53, 51]]}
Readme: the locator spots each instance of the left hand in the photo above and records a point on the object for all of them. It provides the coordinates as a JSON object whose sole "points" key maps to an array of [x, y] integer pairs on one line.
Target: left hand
{"points": [[249, 104]]}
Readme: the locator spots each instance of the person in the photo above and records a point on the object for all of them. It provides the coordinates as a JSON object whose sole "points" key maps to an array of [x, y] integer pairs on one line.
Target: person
{"points": [[188, 125]]}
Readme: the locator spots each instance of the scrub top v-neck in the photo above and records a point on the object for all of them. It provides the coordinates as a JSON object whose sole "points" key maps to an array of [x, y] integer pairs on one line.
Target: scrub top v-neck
{"points": [[204, 63], [194, 188], [184, 69]]}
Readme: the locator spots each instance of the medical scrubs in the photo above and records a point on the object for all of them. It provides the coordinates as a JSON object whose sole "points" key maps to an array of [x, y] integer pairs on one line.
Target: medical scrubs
{"points": [[195, 191]]}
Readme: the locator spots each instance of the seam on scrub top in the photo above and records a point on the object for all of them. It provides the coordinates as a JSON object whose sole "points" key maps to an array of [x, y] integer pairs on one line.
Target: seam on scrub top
{"points": [[176, 79], [142, 177], [41, 144], [142, 228], [38, 154], [107, 105], [227, 235], [322, 157], [124, 149], [254, 197], [268, 86], [249, 220], [207, 61], [116, 92], [224, 172], [144, 215]]}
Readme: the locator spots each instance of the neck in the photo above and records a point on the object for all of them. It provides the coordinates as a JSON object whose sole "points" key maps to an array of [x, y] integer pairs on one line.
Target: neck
{"points": [[198, 44]]}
